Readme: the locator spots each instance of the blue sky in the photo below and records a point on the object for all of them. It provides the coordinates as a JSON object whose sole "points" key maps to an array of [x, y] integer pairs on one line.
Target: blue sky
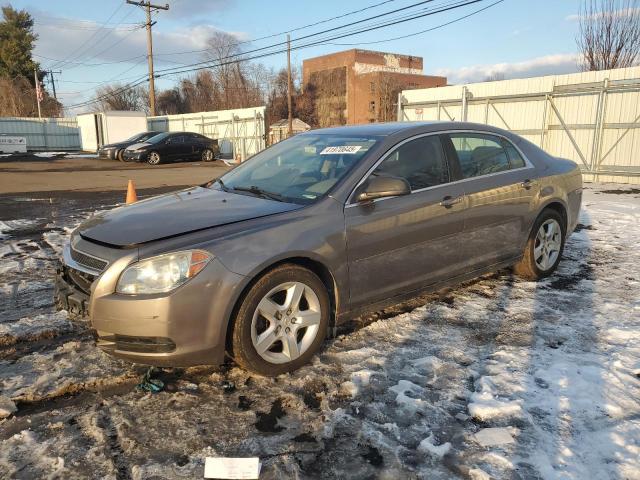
{"points": [[515, 38]]}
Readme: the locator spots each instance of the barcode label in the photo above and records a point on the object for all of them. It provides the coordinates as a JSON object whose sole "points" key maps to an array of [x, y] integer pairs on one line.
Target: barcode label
{"points": [[349, 149]]}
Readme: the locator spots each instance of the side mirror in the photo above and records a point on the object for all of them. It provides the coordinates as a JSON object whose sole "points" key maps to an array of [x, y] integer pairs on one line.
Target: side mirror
{"points": [[168, 141], [382, 187]]}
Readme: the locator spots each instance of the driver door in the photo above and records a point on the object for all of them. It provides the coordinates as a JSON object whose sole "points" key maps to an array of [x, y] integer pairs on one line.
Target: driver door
{"points": [[400, 244]]}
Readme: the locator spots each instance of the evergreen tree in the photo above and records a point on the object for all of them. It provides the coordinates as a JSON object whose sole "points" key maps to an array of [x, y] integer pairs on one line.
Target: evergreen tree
{"points": [[16, 43]]}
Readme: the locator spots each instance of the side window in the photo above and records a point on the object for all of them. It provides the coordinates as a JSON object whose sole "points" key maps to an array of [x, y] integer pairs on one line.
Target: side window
{"points": [[479, 154], [421, 162], [515, 159]]}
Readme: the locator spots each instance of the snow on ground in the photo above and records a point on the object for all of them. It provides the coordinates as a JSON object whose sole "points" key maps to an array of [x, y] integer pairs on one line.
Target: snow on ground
{"points": [[498, 378]]}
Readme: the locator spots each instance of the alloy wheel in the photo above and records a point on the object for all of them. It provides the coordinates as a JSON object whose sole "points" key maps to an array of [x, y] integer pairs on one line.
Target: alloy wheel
{"points": [[286, 322], [547, 245], [207, 155], [154, 158]]}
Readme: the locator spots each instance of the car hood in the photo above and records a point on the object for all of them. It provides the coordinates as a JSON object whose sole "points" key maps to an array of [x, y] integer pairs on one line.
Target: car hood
{"points": [[176, 214], [136, 146]]}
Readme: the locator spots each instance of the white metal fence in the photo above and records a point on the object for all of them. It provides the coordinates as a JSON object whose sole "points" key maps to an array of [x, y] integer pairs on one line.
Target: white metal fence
{"points": [[44, 133], [240, 132], [592, 118]]}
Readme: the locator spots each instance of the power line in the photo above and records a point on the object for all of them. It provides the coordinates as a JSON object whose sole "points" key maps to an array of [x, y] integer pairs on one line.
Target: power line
{"points": [[99, 40], [90, 64], [90, 38], [135, 84], [364, 29], [321, 41], [303, 27], [464, 17], [117, 42], [325, 31], [83, 64]]}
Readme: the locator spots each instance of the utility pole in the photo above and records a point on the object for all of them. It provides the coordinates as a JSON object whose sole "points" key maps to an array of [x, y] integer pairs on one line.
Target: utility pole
{"points": [[148, 6], [38, 91], [53, 80], [289, 87]]}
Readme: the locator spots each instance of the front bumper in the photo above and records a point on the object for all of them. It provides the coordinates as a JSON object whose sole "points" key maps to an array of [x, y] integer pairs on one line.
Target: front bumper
{"points": [[185, 327], [108, 154], [69, 295], [182, 328], [134, 156]]}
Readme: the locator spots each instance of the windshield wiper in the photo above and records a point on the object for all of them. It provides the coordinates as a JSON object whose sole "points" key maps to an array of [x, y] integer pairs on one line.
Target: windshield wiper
{"points": [[222, 185], [260, 192]]}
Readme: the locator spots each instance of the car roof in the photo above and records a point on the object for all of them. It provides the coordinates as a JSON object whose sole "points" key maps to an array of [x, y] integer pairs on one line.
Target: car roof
{"points": [[385, 129]]}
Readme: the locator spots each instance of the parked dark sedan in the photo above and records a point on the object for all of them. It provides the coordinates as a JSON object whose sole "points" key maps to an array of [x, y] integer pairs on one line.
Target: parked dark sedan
{"points": [[114, 151], [267, 260], [171, 146]]}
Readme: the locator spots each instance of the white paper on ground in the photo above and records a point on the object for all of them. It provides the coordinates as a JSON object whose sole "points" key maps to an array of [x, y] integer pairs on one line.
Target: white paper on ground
{"points": [[229, 468], [488, 437]]}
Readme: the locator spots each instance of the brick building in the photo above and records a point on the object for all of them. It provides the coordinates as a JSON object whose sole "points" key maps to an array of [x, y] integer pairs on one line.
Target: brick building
{"points": [[362, 86]]}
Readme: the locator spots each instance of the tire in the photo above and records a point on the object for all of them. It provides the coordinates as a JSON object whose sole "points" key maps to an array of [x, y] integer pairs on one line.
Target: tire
{"points": [[267, 320], [541, 259], [154, 158], [207, 155], [120, 155]]}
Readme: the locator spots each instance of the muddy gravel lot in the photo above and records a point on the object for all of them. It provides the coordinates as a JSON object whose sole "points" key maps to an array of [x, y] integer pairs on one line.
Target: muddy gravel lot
{"points": [[63, 172], [499, 378]]}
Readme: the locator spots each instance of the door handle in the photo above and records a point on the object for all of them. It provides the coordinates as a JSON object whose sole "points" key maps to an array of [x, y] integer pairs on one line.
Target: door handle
{"points": [[527, 184], [449, 201]]}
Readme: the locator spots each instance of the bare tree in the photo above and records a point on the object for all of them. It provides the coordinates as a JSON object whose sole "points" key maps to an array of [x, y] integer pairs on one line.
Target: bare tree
{"points": [[120, 97], [18, 99], [609, 35], [389, 87], [330, 95]]}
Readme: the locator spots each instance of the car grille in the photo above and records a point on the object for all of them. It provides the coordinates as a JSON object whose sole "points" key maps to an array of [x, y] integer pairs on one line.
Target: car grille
{"points": [[80, 280], [88, 261]]}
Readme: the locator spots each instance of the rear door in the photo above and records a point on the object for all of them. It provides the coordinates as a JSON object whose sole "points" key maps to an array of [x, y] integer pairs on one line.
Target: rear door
{"points": [[499, 186], [195, 145], [399, 244], [172, 147], [182, 147]]}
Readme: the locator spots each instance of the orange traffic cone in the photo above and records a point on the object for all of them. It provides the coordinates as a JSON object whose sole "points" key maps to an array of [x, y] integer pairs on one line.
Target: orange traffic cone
{"points": [[131, 193]]}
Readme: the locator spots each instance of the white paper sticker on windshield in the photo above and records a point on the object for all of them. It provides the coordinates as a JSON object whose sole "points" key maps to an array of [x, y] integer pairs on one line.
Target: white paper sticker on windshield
{"points": [[349, 149]]}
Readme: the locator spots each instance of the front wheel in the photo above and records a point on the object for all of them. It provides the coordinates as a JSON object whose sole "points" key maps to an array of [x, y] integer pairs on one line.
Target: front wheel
{"points": [[154, 158], [544, 247], [207, 155], [282, 321], [120, 155]]}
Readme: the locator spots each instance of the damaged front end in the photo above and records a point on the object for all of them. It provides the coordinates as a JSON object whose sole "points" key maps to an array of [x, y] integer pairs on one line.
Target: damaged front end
{"points": [[74, 277]]}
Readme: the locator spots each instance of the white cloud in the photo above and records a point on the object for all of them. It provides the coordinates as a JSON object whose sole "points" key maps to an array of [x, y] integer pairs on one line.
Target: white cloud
{"points": [[112, 45], [625, 12], [546, 65]]}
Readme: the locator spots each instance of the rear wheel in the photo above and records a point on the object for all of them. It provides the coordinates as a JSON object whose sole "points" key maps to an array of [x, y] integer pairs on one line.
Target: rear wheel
{"points": [[207, 155], [154, 158], [282, 321], [544, 247], [120, 155]]}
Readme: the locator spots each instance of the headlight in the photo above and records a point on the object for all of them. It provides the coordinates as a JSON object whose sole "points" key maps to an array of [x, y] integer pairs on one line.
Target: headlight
{"points": [[163, 273]]}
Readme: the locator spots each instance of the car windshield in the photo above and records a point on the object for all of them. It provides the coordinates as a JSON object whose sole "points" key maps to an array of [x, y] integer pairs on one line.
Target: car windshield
{"points": [[138, 137], [158, 138], [300, 169]]}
